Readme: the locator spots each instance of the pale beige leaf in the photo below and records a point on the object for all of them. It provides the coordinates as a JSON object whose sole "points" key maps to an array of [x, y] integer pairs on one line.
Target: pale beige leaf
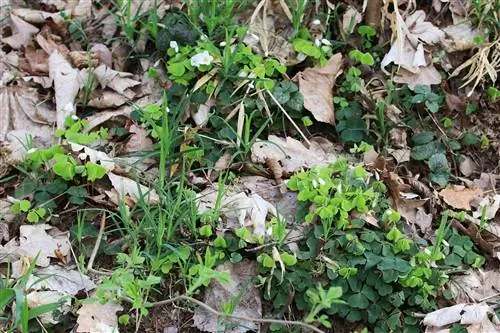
{"points": [[350, 19], [93, 155], [444, 316], [98, 318], [22, 32], [467, 166], [118, 81], [37, 16], [460, 197], [316, 85], [67, 82], [39, 298], [127, 187], [459, 37], [250, 304], [57, 278], [428, 75]]}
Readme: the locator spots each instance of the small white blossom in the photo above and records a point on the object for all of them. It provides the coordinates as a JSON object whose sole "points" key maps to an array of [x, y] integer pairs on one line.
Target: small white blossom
{"points": [[317, 42], [321, 181], [222, 44], [74, 117], [32, 150], [339, 188], [388, 212], [326, 42], [251, 85], [203, 58], [301, 57], [167, 109], [242, 74], [174, 45], [204, 37], [316, 22], [315, 183], [445, 243]]}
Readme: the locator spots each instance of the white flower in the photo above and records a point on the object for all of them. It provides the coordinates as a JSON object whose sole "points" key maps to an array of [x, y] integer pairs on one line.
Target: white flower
{"points": [[203, 58], [314, 183], [301, 57], [326, 42], [167, 109], [222, 44], [321, 181], [317, 42], [74, 117], [242, 74], [250, 85], [174, 45], [316, 22]]}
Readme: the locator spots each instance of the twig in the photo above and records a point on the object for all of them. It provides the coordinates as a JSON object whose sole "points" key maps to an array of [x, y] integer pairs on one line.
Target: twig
{"points": [[289, 118], [225, 315], [97, 242]]}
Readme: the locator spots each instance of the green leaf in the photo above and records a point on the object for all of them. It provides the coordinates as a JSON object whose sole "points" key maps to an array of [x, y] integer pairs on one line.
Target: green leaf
{"points": [[288, 259], [469, 139], [94, 171], [206, 231], [358, 301], [438, 163], [220, 242], [440, 178], [307, 47], [33, 216], [422, 138], [235, 257], [24, 205], [176, 69], [423, 152]]}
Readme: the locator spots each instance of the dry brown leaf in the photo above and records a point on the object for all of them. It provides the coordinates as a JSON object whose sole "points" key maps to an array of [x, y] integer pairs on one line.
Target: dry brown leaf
{"points": [[291, 153], [118, 81], [424, 76], [250, 304], [22, 32], [98, 318], [39, 298], [39, 239], [57, 278], [476, 285], [455, 103], [316, 85], [460, 197], [37, 16], [486, 182], [465, 314], [106, 99]]}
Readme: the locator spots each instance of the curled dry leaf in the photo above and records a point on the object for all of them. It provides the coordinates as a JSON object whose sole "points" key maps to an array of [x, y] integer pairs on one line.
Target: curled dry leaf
{"points": [[291, 153], [57, 278], [98, 318], [460, 37], [460, 197], [465, 314], [38, 16], [67, 82], [316, 85], [115, 80], [475, 286], [93, 155], [127, 187], [488, 208], [427, 75], [22, 32], [250, 304]]}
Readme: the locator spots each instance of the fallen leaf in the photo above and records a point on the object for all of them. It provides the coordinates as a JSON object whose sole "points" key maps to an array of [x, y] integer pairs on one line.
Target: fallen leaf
{"points": [[316, 85], [98, 318], [475, 285], [115, 80], [67, 82], [460, 37], [350, 19], [37, 16], [93, 155], [455, 103], [22, 32], [240, 286], [460, 197], [291, 153], [489, 207], [127, 187], [400, 155], [428, 75], [38, 298], [465, 314], [486, 182], [467, 166], [57, 278], [40, 240]]}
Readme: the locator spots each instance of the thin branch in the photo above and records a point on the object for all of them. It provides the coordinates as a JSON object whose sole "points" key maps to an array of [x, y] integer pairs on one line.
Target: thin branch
{"points": [[231, 316], [97, 242]]}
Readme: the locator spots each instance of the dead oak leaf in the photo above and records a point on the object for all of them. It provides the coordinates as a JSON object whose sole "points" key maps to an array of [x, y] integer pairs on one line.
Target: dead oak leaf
{"points": [[316, 84], [98, 318], [22, 32], [459, 197]]}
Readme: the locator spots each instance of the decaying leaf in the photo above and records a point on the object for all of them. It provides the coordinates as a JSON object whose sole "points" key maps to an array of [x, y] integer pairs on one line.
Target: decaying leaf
{"points": [[350, 19], [460, 197], [465, 314], [38, 298], [427, 75], [467, 166], [98, 318], [475, 286], [57, 278], [22, 32], [127, 187], [93, 155], [39, 239], [67, 82], [250, 304], [488, 207], [316, 85], [460, 37], [292, 154]]}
